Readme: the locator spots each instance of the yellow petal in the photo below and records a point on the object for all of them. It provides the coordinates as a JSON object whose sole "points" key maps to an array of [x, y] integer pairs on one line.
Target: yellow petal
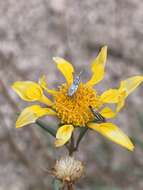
{"points": [[31, 114], [27, 90], [113, 133], [130, 84], [66, 68], [120, 105], [110, 96], [98, 66], [30, 91], [126, 87], [107, 112], [43, 84], [63, 135], [121, 101]]}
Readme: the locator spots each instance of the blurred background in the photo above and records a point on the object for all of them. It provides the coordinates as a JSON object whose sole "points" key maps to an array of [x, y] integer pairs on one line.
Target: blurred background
{"points": [[31, 33]]}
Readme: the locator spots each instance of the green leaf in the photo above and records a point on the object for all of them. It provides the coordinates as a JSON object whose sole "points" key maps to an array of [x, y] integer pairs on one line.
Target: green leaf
{"points": [[50, 130], [56, 184]]}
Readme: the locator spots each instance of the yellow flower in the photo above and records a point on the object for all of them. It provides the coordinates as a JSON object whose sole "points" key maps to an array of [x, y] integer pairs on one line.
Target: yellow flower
{"points": [[77, 110]]}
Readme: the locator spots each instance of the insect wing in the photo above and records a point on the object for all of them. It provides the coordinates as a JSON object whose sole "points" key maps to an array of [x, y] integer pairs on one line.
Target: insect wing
{"points": [[98, 117], [73, 88]]}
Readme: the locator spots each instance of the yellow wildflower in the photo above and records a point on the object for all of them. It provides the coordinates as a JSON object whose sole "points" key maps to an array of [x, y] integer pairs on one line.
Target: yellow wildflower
{"points": [[77, 110]]}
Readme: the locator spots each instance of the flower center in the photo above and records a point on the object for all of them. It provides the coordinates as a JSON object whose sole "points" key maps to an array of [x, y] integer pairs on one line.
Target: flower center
{"points": [[75, 110]]}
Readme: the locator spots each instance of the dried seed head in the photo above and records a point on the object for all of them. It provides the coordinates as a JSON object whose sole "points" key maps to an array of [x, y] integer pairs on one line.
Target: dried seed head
{"points": [[68, 169]]}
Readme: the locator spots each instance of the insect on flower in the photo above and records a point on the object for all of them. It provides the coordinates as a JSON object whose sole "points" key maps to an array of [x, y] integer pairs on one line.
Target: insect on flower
{"points": [[98, 117], [74, 86], [71, 102]]}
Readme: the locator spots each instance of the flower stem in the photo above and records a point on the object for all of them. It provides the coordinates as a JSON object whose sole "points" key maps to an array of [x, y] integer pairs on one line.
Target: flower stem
{"points": [[70, 186], [71, 148], [50, 130], [82, 133]]}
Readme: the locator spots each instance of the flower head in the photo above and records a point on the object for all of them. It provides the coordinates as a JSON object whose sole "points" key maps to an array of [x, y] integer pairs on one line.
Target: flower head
{"points": [[78, 104], [68, 169]]}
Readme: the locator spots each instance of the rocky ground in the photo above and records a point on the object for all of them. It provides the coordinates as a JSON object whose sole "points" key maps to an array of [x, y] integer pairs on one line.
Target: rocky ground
{"points": [[31, 33]]}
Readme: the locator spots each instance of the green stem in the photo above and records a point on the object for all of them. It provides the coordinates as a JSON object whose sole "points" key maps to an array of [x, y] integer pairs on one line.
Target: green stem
{"points": [[81, 135], [70, 186], [71, 148], [46, 128], [50, 130]]}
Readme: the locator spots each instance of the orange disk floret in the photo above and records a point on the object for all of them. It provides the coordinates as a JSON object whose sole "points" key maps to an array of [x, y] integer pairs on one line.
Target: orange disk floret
{"points": [[75, 110]]}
